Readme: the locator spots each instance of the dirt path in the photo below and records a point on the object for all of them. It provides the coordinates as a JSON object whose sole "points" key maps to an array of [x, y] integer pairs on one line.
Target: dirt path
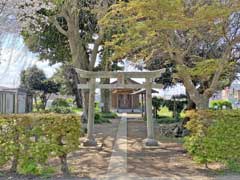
{"points": [[168, 161]]}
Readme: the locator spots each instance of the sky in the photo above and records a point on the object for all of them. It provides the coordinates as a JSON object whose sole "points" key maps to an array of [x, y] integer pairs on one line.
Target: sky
{"points": [[15, 57]]}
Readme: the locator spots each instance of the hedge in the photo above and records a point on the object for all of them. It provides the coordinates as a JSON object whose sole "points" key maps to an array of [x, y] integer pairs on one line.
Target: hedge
{"points": [[59, 110], [220, 104], [28, 141], [215, 137]]}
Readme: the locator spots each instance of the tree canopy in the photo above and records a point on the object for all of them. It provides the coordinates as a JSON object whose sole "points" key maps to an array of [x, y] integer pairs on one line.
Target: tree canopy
{"points": [[192, 35], [36, 82]]}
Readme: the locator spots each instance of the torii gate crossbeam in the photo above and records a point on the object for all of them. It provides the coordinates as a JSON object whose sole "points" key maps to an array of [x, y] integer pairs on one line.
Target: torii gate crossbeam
{"points": [[121, 76]]}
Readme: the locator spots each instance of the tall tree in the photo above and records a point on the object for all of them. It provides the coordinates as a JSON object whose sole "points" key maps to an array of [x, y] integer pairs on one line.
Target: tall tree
{"points": [[71, 18], [67, 77], [31, 79], [35, 81], [184, 31]]}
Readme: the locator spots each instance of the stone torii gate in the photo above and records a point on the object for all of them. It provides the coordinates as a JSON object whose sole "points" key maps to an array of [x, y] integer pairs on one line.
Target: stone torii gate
{"points": [[121, 76]]}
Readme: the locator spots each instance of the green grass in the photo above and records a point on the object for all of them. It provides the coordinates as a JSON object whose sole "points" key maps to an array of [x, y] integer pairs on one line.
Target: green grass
{"points": [[165, 112], [104, 117], [76, 109], [166, 117], [110, 115]]}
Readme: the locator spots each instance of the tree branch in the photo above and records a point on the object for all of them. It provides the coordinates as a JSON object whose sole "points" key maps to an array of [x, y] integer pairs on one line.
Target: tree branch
{"points": [[182, 71], [187, 81], [208, 92], [189, 47], [58, 26], [95, 52]]}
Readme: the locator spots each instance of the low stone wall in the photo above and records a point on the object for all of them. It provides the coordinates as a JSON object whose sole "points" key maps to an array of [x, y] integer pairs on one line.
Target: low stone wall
{"points": [[173, 130]]}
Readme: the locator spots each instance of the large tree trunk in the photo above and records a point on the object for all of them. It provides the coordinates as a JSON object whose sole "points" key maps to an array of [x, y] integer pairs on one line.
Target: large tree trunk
{"points": [[76, 91], [79, 52], [44, 101], [190, 104], [35, 101], [85, 102], [79, 56], [63, 158], [203, 103], [64, 165], [201, 100], [78, 99], [105, 97]]}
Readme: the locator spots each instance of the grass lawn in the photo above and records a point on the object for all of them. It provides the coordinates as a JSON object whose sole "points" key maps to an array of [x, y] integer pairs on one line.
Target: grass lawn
{"points": [[165, 112], [166, 116], [76, 109]]}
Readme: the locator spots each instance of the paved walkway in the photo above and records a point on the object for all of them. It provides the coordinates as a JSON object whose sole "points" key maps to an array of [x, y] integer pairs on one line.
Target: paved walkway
{"points": [[118, 161]]}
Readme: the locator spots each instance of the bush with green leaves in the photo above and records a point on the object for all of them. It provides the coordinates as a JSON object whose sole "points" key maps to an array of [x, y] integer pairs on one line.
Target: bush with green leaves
{"points": [[60, 102], [166, 120], [176, 105], [28, 141], [110, 115], [157, 104], [70, 100], [215, 137], [220, 104], [100, 118], [60, 110]]}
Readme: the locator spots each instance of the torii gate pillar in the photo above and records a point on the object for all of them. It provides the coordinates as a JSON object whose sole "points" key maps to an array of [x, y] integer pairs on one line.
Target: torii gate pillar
{"points": [[150, 140], [148, 85], [90, 140]]}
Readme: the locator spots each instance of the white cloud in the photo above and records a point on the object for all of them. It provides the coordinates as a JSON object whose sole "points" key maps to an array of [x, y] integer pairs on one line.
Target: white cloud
{"points": [[15, 57]]}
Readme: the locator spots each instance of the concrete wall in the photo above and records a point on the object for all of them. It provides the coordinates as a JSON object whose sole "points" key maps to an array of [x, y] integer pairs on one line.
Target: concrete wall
{"points": [[15, 101]]}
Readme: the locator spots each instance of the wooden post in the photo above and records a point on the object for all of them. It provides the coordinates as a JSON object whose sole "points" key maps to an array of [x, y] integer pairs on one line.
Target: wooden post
{"points": [[150, 141], [90, 141]]}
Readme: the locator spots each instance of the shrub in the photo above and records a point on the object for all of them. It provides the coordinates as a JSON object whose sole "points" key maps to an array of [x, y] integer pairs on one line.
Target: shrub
{"points": [[60, 110], [176, 105], [97, 107], [100, 118], [30, 140], [70, 100], [97, 116], [39, 106], [109, 115], [60, 102], [166, 120], [219, 104], [215, 137]]}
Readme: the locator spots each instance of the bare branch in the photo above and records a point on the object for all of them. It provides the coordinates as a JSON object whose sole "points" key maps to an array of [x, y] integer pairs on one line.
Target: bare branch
{"points": [[95, 52], [191, 43], [222, 63], [58, 26]]}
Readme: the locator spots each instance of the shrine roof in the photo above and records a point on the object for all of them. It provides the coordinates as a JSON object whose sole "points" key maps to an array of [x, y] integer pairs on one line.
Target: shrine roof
{"points": [[128, 80]]}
